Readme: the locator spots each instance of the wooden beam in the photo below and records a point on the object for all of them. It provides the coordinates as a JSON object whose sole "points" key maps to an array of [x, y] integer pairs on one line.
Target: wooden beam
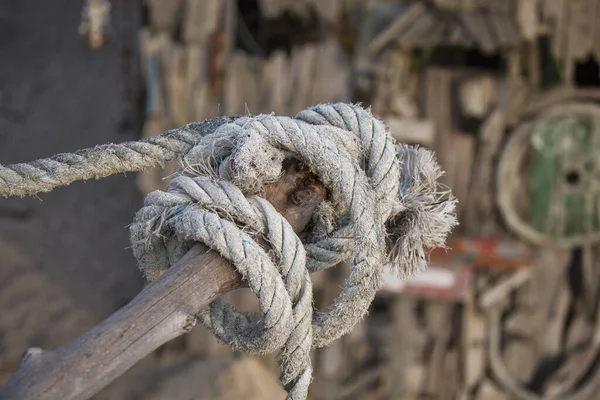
{"points": [[164, 310]]}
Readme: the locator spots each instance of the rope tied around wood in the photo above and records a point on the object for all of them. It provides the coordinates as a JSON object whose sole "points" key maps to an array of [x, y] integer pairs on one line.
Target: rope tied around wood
{"points": [[384, 207]]}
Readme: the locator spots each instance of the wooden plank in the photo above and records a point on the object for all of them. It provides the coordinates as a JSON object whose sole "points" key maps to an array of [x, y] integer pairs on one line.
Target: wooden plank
{"points": [[521, 359], [437, 321], [580, 361], [451, 375], [502, 7], [558, 95], [227, 44], [398, 68], [549, 98], [580, 332], [510, 30], [151, 49], [266, 88], [551, 9], [572, 370], [474, 333], [397, 28], [513, 100], [271, 8], [517, 322], [329, 10], [403, 321], [590, 280], [212, 61], [500, 292], [305, 59], [232, 95], [549, 270], [479, 209], [500, 31], [204, 103], [582, 15], [552, 339], [513, 61], [297, 7], [468, 5], [282, 84], [251, 85], [419, 30], [400, 97], [596, 32], [187, 77], [478, 29], [178, 89], [420, 132], [332, 74], [164, 15], [489, 391], [447, 4], [527, 19], [459, 36], [476, 95], [439, 325], [558, 12], [434, 380], [358, 347], [403, 105], [534, 65], [332, 364], [437, 108], [415, 374], [201, 18], [359, 386], [382, 88], [330, 368], [461, 170]]}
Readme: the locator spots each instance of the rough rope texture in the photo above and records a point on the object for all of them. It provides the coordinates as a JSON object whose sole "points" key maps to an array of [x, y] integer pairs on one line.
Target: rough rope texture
{"points": [[101, 161], [385, 207]]}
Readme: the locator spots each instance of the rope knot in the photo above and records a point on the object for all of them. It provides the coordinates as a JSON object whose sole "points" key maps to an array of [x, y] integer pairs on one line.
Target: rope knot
{"points": [[385, 208]]}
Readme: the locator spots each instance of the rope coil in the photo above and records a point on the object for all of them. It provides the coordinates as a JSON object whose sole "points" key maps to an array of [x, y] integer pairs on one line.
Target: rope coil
{"points": [[385, 207]]}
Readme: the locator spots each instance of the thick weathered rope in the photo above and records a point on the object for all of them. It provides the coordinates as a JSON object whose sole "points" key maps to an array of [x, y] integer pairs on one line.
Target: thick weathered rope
{"points": [[43, 175], [385, 207]]}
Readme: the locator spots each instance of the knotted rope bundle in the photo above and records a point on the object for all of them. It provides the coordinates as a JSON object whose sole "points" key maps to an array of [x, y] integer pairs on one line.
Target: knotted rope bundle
{"points": [[385, 206]]}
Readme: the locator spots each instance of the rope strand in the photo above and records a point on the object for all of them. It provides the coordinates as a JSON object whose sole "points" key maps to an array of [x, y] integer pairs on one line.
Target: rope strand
{"points": [[44, 175]]}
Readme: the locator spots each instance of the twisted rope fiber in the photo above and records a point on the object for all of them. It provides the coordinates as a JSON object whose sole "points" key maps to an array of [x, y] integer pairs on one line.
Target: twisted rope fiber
{"points": [[382, 197], [101, 161]]}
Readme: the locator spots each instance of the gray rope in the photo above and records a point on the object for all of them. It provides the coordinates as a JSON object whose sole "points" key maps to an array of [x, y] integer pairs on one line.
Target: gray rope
{"points": [[101, 161], [385, 207], [181, 209]]}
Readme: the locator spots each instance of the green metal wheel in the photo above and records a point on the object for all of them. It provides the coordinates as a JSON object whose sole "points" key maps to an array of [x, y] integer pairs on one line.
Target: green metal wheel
{"points": [[549, 177]]}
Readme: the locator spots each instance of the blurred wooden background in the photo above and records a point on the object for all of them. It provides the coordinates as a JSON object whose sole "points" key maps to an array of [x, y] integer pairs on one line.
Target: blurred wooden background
{"points": [[505, 91]]}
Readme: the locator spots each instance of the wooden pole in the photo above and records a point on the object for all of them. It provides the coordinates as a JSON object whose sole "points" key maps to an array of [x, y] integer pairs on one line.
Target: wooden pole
{"points": [[162, 311]]}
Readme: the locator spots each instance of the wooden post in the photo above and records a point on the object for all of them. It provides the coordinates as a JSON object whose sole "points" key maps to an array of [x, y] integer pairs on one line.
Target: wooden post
{"points": [[164, 310]]}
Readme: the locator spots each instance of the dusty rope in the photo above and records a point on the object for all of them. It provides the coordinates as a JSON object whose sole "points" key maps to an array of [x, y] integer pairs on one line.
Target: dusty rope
{"points": [[101, 161], [384, 198]]}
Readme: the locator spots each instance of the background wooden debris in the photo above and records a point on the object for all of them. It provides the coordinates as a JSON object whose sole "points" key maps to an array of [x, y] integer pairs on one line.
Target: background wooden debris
{"points": [[417, 343]]}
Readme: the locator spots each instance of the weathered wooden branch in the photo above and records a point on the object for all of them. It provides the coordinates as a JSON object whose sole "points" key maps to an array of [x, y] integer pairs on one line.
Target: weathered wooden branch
{"points": [[164, 310]]}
